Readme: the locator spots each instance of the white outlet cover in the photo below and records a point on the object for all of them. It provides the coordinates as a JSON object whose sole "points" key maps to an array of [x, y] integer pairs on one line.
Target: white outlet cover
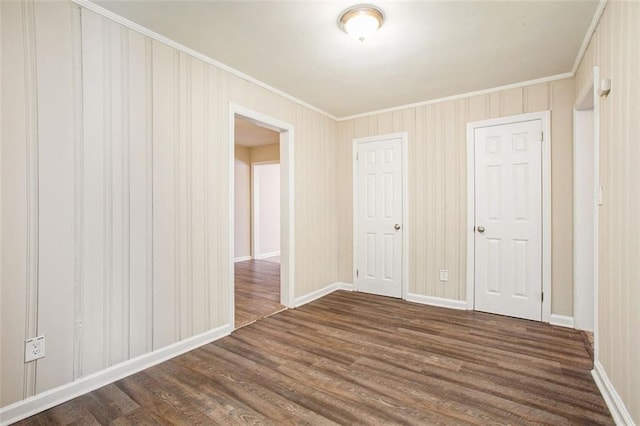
{"points": [[34, 348], [444, 275]]}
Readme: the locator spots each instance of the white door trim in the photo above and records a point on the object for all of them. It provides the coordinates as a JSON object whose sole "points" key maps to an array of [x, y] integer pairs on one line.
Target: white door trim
{"points": [[287, 229], [405, 203], [255, 210], [544, 116], [582, 102]]}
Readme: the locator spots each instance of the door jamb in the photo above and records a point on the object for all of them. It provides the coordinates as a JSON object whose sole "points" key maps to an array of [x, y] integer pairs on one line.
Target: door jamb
{"points": [[405, 206], [545, 117], [287, 240]]}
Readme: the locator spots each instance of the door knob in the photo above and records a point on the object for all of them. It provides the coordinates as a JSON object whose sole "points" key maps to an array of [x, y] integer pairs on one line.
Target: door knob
{"points": [[481, 229], [396, 226]]}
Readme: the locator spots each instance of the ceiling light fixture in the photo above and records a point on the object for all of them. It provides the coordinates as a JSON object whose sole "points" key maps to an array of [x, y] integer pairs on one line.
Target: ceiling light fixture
{"points": [[361, 21]]}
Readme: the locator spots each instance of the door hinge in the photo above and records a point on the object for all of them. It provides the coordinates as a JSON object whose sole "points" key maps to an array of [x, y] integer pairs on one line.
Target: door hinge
{"points": [[357, 156], [357, 273], [541, 136], [542, 298]]}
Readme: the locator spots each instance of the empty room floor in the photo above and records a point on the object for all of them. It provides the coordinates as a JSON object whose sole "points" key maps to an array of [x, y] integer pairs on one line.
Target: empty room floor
{"points": [[257, 290], [357, 358]]}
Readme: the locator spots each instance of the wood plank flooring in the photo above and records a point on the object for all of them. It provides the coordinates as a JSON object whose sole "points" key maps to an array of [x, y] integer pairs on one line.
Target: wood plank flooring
{"points": [[257, 290], [354, 358]]}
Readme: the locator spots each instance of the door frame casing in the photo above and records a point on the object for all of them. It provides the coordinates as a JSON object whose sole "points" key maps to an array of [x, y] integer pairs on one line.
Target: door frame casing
{"points": [[545, 117], [403, 136], [287, 229]]}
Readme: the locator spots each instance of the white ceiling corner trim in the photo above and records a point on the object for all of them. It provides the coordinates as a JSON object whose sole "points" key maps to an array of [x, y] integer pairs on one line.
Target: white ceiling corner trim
{"points": [[89, 5], [463, 95], [588, 35]]}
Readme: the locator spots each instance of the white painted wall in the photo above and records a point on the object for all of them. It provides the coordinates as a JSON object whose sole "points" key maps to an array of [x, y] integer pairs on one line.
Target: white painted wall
{"points": [[242, 223], [583, 226], [244, 157], [266, 209]]}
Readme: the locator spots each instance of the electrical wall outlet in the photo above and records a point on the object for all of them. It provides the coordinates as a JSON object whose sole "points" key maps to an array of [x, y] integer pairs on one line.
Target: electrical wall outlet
{"points": [[444, 275], [34, 349]]}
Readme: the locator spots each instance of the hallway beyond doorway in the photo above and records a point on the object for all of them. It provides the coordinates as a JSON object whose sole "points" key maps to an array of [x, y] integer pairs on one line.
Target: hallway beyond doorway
{"points": [[257, 290]]}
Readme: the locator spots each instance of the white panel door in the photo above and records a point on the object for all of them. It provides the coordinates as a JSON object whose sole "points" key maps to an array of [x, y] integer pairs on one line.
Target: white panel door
{"points": [[379, 217], [508, 219]]}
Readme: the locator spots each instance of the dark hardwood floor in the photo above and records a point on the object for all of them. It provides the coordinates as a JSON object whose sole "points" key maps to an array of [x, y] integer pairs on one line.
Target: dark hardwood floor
{"points": [[354, 358], [257, 290]]}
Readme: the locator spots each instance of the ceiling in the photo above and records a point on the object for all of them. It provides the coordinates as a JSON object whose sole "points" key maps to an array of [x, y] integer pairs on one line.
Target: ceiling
{"points": [[248, 134], [425, 49]]}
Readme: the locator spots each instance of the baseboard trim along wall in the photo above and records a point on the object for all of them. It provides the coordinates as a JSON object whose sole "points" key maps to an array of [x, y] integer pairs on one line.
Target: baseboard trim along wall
{"points": [[45, 400], [242, 259], [266, 255], [307, 298], [437, 301], [561, 320], [617, 408]]}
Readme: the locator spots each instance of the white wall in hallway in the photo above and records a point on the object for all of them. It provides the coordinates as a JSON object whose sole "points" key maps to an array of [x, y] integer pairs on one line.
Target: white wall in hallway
{"points": [[266, 209]]}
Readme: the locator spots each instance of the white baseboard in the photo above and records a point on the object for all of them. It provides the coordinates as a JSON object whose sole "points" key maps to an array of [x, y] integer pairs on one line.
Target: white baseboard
{"points": [[437, 301], [265, 255], [561, 320], [28, 407], [617, 408], [242, 258], [307, 298]]}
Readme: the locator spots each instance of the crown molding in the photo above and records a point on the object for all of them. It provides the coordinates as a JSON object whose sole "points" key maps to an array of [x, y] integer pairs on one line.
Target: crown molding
{"points": [[463, 95], [89, 5], [588, 35]]}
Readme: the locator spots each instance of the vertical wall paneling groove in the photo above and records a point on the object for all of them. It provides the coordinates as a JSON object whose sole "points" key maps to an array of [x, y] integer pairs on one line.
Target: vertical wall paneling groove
{"points": [[138, 307], [56, 130], [149, 192], [205, 196], [177, 142], [107, 191], [78, 178], [126, 198], [93, 207], [198, 94], [31, 97], [212, 195], [15, 220], [164, 192], [189, 173]]}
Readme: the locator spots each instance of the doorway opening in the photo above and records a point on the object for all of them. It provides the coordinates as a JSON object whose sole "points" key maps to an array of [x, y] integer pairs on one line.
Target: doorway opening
{"points": [[586, 191], [261, 216]]}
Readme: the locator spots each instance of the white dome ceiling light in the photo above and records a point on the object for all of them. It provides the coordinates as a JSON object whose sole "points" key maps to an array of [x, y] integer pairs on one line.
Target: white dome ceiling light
{"points": [[361, 21]]}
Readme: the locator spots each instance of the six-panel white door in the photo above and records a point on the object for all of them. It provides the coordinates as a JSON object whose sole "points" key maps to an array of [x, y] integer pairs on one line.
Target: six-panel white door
{"points": [[508, 219], [379, 217]]}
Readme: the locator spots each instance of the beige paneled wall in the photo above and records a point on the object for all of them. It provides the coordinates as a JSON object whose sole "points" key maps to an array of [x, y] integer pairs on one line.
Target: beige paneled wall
{"points": [[115, 162], [437, 184], [615, 48]]}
